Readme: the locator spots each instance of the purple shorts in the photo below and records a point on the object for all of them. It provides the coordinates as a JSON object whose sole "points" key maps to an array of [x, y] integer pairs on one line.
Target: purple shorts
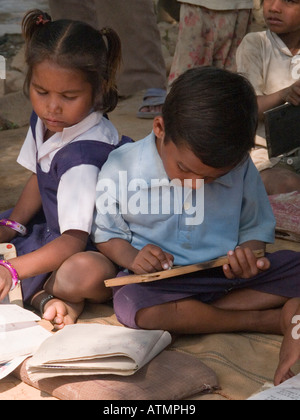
{"points": [[282, 279]]}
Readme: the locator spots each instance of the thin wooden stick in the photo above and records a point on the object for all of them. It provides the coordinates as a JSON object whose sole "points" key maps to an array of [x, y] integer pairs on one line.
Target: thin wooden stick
{"points": [[177, 271]]}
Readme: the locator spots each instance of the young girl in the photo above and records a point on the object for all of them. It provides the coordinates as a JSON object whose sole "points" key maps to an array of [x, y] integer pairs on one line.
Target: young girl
{"points": [[205, 133], [271, 61], [71, 84]]}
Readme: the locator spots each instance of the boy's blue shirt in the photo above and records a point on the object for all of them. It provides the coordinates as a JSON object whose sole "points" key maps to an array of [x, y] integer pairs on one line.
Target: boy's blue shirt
{"points": [[236, 207]]}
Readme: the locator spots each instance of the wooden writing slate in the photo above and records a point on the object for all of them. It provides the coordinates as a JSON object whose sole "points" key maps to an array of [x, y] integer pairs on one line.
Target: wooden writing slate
{"points": [[177, 271]]}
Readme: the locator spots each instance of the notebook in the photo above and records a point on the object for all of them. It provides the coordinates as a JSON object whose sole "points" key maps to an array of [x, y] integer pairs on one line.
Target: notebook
{"points": [[282, 129]]}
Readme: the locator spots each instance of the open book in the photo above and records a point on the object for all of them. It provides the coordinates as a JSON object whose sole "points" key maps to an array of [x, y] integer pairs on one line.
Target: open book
{"points": [[287, 391], [96, 349], [20, 336]]}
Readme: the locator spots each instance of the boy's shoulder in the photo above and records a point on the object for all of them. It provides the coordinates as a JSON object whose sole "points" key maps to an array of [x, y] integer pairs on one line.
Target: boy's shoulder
{"points": [[133, 147], [255, 39]]}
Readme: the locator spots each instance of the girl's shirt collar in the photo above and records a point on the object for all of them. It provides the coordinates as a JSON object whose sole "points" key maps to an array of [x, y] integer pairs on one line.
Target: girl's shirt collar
{"points": [[68, 134]]}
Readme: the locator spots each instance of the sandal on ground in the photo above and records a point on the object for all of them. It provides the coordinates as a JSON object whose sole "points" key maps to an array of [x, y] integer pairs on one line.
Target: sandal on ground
{"points": [[153, 97]]}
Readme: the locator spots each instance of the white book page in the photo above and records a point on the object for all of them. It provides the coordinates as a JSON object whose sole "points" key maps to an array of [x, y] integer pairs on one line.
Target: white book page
{"points": [[287, 391], [8, 367], [15, 342], [11, 314], [20, 335]]}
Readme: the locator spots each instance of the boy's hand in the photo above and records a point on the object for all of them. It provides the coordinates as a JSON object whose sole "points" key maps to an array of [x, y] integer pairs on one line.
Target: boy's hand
{"points": [[151, 259], [244, 265], [293, 94], [5, 282]]}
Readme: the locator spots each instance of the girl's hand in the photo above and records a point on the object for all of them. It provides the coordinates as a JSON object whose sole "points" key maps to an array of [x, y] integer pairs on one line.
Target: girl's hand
{"points": [[244, 265], [151, 259], [5, 282], [6, 234]]}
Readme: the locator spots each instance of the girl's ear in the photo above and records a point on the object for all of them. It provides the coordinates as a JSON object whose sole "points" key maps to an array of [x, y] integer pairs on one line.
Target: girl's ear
{"points": [[159, 128]]}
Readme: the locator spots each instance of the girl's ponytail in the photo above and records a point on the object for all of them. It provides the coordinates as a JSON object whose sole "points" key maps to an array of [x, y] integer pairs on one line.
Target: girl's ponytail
{"points": [[33, 21], [114, 57]]}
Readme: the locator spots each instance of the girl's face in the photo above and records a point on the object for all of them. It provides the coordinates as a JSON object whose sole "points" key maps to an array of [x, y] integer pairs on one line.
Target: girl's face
{"points": [[181, 163], [282, 16], [61, 97]]}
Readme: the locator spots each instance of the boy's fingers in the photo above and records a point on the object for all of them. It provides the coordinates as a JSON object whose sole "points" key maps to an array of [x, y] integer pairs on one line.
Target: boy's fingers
{"points": [[263, 264], [228, 273], [234, 263], [164, 260]]}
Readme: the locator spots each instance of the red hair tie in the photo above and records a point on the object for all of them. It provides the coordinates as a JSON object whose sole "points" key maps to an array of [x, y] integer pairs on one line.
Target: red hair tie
{"points": [[42, 19]]}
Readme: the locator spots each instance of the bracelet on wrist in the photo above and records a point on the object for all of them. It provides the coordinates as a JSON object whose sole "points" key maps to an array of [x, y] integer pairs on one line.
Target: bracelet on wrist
{"points": [[14, 275], [14, 225], [43, 302]]}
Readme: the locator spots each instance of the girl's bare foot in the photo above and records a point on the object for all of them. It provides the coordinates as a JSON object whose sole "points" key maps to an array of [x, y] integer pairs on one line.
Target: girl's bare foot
{"points": [[61, 313]]}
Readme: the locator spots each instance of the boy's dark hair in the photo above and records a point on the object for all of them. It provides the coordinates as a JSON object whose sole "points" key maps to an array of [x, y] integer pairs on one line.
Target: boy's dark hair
{"points": [[214, 112], [78, 46]]}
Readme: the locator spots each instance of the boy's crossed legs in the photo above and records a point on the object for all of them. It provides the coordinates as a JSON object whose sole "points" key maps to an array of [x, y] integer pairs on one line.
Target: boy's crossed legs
{"points": [[243, 310]]}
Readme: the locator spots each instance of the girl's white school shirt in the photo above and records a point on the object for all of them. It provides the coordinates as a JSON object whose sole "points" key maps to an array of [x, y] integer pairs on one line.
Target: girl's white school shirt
{"points": [[77, 187]]}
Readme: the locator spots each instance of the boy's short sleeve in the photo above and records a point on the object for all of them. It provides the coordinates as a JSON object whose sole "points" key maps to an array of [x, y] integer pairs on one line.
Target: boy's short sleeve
{"points": [[249, 60], [257, 221]]}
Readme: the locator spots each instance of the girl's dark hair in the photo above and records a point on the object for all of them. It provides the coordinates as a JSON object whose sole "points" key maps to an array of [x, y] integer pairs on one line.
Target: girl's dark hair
{"points": [[75, 45], [213, 112]]}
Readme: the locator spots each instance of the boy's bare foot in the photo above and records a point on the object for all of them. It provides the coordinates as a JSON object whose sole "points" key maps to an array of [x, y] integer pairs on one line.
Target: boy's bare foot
{"points": [[61, 313]]}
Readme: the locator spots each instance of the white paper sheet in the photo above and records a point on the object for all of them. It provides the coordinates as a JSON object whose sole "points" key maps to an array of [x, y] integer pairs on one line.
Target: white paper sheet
{"points": [[20, 335], [287, 391], [10, 314], [10, 366]]}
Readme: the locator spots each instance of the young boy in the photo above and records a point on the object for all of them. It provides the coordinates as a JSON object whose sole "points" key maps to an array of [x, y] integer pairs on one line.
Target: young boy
{"points": [[270, 60], [186, 194]]}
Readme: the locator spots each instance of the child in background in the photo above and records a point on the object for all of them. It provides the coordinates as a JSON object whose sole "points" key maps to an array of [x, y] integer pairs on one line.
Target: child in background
{"points": [[209, 33], [271, 61], [205, 133], [71, 84]]}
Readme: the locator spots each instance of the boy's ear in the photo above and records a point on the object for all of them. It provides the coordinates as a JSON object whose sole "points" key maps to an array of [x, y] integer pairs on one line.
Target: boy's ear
{"points": [[159, 127]]}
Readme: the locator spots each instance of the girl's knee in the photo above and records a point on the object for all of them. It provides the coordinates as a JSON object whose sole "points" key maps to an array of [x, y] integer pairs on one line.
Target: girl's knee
{"points": [[83, 275]]}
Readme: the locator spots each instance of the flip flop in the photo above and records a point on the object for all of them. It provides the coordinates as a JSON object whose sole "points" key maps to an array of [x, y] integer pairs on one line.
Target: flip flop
{"points": [[153, 97]]}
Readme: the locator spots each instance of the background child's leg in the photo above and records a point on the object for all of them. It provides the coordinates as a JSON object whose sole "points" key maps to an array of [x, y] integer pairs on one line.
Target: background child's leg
{"points": [[195, 42], [230, 27]]}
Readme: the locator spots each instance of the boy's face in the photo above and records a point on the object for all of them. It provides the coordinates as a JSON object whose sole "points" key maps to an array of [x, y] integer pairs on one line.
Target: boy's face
{"points": [[282, 16], [181, 163]]}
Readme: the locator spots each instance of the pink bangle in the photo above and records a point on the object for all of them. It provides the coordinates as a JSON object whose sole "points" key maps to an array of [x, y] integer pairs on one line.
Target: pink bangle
{"points": [[14, 225], [14, 275]]}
